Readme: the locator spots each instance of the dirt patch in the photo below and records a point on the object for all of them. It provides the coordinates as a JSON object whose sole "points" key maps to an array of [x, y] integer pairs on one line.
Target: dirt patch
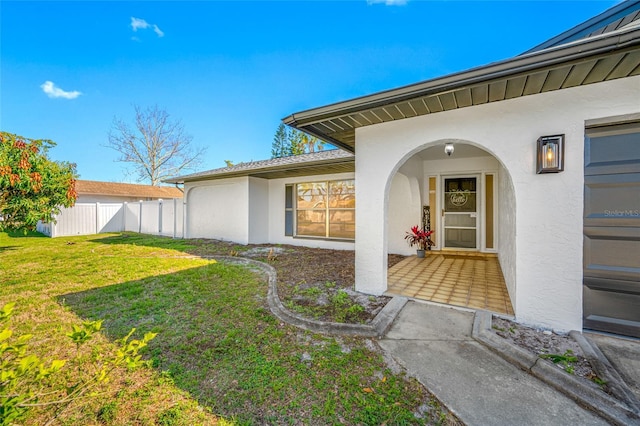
{"points": [[561, 349], [315, 283], [319, 284]]}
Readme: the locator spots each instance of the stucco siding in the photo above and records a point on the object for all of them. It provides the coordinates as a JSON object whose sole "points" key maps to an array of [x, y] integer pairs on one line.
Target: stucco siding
{"points": [[405, 204], [371, 211], [548, 217], [248, 210], [472, 165], [218, 209], [258, 211], [506, 232]]}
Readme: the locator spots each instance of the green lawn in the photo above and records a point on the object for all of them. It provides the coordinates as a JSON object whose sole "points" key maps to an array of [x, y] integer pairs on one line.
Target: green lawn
{"points": [[219, 352]]}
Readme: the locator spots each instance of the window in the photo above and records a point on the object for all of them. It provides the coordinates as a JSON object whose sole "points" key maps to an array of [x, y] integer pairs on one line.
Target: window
{"points": [[324, 209], [288, 210]]}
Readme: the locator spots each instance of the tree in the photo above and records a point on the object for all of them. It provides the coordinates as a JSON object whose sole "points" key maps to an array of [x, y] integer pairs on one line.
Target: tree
{"points": [[282, 145], [308, 143], [157, 147], [32, 187], [288, 141]]}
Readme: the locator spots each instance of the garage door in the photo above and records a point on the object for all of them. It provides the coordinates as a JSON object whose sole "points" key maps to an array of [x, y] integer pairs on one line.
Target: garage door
{"points": [[612, 229]]}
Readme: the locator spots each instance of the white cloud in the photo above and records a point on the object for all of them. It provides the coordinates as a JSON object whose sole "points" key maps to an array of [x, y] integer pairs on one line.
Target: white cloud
{"points": [[158, 31], [52, 91], [137, 23], [389, 2]]}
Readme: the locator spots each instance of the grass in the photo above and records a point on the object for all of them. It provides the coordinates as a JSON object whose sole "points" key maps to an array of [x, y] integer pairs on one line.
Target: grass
{"points": [[219, 353]]}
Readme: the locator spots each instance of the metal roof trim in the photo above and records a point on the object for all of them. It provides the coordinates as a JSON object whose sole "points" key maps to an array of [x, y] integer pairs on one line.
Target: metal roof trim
{"points": [[585, 28]]}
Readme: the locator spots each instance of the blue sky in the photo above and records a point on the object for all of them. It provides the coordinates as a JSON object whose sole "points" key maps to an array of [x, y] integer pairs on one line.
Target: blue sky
{"points": [[231, 70]]}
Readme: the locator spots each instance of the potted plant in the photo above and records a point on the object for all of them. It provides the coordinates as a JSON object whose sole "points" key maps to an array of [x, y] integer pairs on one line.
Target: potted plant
{"points": [[420, 238]]}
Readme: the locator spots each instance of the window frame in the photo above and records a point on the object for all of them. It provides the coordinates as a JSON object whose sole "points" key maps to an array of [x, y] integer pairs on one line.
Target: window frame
{"points": [[327, 209]]}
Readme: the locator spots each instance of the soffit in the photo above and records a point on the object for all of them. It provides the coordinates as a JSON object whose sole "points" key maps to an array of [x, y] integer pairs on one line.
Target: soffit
{"points": [[511, 79]]}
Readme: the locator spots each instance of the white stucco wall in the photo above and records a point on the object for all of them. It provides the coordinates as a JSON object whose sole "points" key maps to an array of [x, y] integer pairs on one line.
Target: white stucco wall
{"points": [[258, 211], [248, 210], [405, 207], [276, 213], [473, 165], [548, 218], [218, 209], [406, 197], [506, 231]]}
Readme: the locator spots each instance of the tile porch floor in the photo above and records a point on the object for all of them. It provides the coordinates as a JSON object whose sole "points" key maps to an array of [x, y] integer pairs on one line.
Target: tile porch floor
{"points": [[469, 279]]}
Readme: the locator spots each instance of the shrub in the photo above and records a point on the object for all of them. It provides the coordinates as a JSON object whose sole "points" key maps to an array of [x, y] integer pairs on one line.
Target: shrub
{"points": [[28, 382]]}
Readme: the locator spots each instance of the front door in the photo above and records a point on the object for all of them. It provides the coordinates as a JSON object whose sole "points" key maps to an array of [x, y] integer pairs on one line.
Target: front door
{"points": [[460, 213]]}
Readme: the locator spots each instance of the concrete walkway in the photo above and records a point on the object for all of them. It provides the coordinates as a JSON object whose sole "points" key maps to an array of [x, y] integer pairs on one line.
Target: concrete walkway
{"points": [[482, 378], [434, 344], [624, 355]]}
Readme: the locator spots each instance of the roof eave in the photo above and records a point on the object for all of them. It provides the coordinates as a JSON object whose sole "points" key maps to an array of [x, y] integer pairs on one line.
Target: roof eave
{"points": [[618, 10], [260, 171]]}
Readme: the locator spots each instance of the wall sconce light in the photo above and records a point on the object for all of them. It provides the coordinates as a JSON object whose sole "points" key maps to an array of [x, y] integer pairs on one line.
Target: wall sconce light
{"points": [[448, 148], [550, 154]]}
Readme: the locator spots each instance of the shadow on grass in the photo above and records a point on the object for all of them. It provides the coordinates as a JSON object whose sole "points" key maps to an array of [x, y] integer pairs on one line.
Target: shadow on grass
{"points": [[218, 341], [206, 317], [25, 234]]}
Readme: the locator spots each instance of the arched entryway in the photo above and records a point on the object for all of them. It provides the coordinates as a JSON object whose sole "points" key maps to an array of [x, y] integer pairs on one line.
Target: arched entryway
{"points": [[468, 200]]}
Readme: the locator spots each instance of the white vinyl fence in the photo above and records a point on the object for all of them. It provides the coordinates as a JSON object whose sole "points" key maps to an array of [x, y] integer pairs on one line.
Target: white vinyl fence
{"points": [[157, 217]]}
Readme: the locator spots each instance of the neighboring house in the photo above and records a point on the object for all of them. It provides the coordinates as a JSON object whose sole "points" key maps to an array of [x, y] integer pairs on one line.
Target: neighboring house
{"points": [[91, 191], [115, 207], [568, 242]]}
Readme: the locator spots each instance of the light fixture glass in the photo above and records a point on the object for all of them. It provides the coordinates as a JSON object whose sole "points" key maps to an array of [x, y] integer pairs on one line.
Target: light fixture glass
{"points": [[448, 148], [550, 154]]}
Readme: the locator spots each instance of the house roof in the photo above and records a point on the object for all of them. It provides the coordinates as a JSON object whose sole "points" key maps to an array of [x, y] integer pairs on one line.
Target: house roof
{"points": [[92, 187], [621, 15], [322, 162], [604, 48]]}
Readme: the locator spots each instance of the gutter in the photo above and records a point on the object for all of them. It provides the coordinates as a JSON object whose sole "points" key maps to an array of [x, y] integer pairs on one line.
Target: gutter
{"points": [[580, 49]]}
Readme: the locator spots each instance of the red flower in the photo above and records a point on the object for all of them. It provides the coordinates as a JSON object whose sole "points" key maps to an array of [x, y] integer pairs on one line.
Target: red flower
{"points": [[419, 237]]}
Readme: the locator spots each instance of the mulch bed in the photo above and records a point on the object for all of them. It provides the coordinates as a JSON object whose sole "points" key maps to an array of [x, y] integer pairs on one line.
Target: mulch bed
{"points": [[317, 283]]}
